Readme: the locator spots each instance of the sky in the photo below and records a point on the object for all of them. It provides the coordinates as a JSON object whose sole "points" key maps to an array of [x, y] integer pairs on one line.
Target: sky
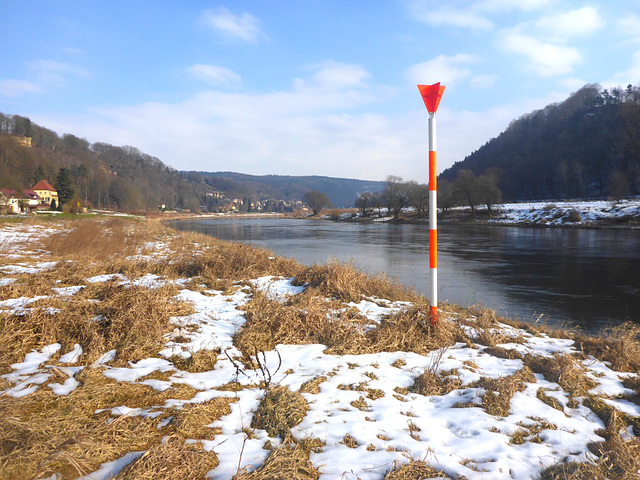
{"points": [[305, 87]]}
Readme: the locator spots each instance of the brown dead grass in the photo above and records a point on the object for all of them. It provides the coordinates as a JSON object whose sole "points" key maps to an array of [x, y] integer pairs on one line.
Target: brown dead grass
{"points": [[430, 383], [290, 461], [620, 346], [279, 410], [499, 391], [309, 318], [132, 320], [173, 458], [414, 470], [344, 282], [563, 369], [42, 433]]}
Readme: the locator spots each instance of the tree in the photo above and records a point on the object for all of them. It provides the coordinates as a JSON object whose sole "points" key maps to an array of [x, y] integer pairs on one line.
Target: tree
{"points": [[465, 188], [316, 201], [64, 186], [618, 185], [364, 203], [446, 198], [419, 197], [395, 195], [488, 191]]}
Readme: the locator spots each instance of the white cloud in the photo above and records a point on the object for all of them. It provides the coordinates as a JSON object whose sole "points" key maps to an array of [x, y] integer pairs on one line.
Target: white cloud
{"points": [[455, 16], [244, 27], [214, 74], [630, 28], [544, 59], [444, 69], [10, 87], [473, 15], [579, 22], [53, 74], [334, 75]]}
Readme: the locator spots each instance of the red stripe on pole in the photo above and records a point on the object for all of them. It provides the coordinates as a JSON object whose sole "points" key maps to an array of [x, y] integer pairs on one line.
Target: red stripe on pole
{"points": [[433, 177], [433, 248]]}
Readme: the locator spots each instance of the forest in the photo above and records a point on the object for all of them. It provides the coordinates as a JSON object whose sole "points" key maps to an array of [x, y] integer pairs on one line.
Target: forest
{"points": [[100, 175], [587, 146]]}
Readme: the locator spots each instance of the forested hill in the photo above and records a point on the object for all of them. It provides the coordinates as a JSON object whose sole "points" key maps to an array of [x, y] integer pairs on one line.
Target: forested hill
{"points": [[107, 176], [340, 191], [586, 146]]}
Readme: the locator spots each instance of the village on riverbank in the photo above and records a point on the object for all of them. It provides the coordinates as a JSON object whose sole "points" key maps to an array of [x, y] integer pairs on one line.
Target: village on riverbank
{"points": [[129, 350]]}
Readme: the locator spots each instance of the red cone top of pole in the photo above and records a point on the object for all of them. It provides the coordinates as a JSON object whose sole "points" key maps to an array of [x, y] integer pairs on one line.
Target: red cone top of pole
{"points": [[431, 94]]}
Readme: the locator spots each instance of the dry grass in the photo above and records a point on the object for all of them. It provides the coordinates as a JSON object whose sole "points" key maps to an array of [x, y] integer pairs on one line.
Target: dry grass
{"points": [[279, 410], [290, 461], [346, 283], [132, 320], [309, 318], [430, 383], [619, 345], [499, 391], [414, 470], [43, 433], [565, 370], [173, 458]]}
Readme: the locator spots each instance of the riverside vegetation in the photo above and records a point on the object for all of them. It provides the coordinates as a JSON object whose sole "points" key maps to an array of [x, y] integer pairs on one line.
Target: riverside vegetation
{"points": [[116, 293]]}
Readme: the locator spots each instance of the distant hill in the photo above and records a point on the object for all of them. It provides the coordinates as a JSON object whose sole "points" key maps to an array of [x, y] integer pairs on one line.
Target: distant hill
{"points": [[342, 192], [584, 147], [108, 176]]}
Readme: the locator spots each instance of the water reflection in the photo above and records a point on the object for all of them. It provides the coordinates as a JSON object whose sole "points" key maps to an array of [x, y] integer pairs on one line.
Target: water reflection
{"points": [[586, 277]]}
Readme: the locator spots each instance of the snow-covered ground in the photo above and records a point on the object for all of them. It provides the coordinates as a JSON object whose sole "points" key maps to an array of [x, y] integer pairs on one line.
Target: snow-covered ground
{"points": [[568, 213], [364, 398]]}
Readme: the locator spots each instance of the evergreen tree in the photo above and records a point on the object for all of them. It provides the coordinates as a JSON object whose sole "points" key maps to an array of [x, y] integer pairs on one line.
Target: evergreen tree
{"points": [[64, 186]]}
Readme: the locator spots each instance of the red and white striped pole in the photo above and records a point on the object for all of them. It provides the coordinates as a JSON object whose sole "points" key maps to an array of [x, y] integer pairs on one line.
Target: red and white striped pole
{"points": [[431, 95]]}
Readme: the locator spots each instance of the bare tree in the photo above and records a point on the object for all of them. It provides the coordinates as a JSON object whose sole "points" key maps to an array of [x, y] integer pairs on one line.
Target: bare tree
{"points": [[316, 201], [465, 188], [419, 197], [396, 195]]}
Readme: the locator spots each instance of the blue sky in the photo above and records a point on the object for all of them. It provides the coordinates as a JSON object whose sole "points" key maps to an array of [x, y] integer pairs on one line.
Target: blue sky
{"points": [[305, 87]]}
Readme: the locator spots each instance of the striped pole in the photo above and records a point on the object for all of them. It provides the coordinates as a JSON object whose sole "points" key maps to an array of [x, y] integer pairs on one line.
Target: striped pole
{"points": [[431, 94]]}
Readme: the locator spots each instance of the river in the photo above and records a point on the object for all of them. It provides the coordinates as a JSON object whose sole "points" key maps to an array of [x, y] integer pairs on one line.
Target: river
{"points": [[583, 277]]}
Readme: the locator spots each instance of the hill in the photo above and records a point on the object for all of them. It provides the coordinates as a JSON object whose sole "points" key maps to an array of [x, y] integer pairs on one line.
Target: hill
{"points": [[123, 177], [341, 191], [587, 146]]}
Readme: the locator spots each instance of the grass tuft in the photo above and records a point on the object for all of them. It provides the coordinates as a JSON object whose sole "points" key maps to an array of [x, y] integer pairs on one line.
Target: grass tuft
{"points": [[279, 410]]}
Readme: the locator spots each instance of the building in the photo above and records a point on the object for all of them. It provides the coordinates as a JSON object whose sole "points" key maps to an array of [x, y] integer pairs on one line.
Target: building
{"points": [[15, 201], [46, 192]]}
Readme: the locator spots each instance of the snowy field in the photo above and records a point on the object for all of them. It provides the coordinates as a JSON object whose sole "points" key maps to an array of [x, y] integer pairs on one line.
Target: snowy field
{"points": [[364, 410]]}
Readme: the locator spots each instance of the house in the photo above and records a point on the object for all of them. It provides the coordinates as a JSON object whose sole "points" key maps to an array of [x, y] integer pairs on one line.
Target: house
{"points": [[16, 201], [46, 192]]}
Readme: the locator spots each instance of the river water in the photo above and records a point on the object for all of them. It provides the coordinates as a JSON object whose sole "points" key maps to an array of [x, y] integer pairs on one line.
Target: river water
{"points": [[583, 277]]}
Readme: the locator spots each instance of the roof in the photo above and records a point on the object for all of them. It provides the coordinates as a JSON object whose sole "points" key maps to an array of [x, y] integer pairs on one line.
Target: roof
{"points": [[44, 185]]}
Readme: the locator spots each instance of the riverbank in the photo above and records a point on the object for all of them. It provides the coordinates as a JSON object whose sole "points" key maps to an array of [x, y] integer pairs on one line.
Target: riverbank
{"points": [[129, 349], [583, 214]]}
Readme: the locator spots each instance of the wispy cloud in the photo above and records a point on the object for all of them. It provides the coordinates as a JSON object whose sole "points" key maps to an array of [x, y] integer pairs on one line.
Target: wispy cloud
{"points": [[449, 16], [12, 88], [214, 74], [579, 22], [446, 69], [55, 74], [630, 28], [244, 27], [542, 58]]}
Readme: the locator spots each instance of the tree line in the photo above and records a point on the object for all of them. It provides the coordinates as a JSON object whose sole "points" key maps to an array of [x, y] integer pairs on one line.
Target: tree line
{"points": [[467, 189]]}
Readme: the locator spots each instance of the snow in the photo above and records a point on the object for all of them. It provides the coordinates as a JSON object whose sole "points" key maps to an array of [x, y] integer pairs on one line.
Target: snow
{"points": [[391, 425], [566, 213]]}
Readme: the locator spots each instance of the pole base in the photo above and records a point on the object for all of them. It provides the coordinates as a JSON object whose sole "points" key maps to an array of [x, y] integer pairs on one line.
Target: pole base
{"points": [[434, 314]]}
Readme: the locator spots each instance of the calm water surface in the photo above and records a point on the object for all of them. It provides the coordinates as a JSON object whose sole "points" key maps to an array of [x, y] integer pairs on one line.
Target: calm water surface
{"points": [[589, 278]]}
